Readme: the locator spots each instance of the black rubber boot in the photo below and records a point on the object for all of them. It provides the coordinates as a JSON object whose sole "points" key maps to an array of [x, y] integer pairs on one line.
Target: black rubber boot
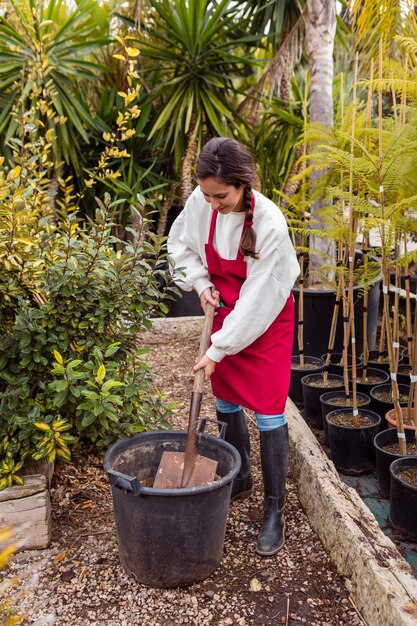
{"points": [[274, 458], [237, 434]]}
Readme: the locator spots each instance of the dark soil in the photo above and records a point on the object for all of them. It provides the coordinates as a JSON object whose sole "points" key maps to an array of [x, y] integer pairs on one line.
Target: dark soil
{"points": [[395, 448], [380, 359], [346, 419], [343, 401], [306, 366], [329, 384], [369, 380], [408, 476], [386, 396]]}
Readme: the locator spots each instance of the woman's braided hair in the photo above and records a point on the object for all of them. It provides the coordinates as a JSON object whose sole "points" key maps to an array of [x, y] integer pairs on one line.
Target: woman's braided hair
{"points": [[229, 161]]}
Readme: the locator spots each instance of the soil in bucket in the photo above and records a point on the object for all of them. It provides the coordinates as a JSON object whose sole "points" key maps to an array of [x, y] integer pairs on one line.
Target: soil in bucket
{"points": [[351, 446], [386, 451], [169, 537], [403, 495]]}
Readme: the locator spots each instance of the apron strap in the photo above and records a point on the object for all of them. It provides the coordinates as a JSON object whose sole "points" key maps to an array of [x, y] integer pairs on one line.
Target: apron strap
{"points": [[212, 227]]}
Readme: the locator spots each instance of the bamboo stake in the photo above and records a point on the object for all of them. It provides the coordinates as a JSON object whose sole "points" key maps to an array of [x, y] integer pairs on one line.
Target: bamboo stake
{"points": [[413, 377], [366, 244], [341, 260], [395, 322], [352, 250], [346, 333], [385, 269], [300, 335]]}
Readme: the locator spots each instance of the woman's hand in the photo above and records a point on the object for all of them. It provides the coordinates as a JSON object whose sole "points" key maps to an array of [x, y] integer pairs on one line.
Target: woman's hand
{"points": [[210, 296], [208, 365]]}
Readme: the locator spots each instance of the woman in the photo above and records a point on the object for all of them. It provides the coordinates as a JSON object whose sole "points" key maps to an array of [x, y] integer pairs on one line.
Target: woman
{"points": [[233, 245]]}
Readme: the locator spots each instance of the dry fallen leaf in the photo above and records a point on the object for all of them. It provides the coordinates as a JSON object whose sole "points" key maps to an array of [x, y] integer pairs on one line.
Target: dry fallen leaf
{"points": [[255, 585], [411, 608]]}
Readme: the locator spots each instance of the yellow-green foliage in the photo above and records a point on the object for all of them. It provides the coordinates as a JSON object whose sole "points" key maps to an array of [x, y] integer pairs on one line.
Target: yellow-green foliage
{"points": [[73, 299], [6, 611]]}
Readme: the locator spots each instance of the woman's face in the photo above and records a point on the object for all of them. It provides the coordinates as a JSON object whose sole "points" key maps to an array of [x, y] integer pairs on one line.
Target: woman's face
{"points": [[222, 197]]}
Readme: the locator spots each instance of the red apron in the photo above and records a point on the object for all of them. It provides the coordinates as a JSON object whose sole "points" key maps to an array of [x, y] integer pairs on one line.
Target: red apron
{"points": [[258, 377]]}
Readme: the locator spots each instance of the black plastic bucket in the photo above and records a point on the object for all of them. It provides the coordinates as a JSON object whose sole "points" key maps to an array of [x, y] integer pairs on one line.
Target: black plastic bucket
{"points": [[312, 393], [403, 497], [318, 316], [351, 449], [169, 537], [329, 402], [373, 360], [381, 406], [384, 458], [296, 389], [336, 363], [365, 387]]}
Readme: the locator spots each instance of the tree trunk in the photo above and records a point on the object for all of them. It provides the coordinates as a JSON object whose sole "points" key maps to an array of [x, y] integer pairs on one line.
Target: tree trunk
{"points": [[321, 28], [187, 169]]}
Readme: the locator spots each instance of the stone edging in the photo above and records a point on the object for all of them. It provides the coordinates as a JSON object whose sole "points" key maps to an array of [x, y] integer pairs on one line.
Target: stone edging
{"points": [[379, 579]]}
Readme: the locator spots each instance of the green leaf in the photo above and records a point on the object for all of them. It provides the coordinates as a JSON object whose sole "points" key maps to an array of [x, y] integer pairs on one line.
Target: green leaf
{"points": [[101, 374], [58, 357]]}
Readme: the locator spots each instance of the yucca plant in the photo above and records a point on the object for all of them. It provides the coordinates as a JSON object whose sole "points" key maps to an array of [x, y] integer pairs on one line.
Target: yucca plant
{"points": [[199, 60], [47, 64]]}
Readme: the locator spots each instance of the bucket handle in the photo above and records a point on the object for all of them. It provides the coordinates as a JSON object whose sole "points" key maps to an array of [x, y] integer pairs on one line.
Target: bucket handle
{"points": [[122, 481], [222, 426]]}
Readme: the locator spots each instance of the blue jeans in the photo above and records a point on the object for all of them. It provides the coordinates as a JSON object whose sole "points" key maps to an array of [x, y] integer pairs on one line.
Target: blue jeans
{"points": [[264, 422]]}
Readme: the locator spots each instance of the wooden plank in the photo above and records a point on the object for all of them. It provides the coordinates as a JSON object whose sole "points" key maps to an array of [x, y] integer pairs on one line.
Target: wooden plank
{"points": [[33, 484], [27, 510]]}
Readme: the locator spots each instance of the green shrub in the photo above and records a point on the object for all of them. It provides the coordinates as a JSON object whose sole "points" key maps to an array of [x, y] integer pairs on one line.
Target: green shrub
{"points": [[74, 298]]}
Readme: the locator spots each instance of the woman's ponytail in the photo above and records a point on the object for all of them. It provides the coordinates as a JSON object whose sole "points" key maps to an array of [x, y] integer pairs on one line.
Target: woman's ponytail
{"points": [[248, 240]]}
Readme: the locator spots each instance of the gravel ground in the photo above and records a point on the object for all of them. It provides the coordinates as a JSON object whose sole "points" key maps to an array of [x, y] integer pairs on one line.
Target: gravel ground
{"points": [[79, 581]]}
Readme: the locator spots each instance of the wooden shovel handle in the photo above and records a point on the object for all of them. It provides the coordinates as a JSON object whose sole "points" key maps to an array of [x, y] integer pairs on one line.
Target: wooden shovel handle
{"points": [[190, 455], [204, 345]]}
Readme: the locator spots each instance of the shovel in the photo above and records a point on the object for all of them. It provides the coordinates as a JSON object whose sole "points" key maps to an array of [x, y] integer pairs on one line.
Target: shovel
{"points": [[190, 469]]}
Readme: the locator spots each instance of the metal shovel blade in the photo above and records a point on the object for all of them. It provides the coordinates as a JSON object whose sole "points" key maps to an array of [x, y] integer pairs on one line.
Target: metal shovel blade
{"points": [[171, 468]]}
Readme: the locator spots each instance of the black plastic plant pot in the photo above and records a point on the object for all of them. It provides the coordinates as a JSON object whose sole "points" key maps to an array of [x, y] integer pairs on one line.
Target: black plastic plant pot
{"points": [[186, 304], [351, 449], [169, 537], [403, 497], [336, 365], [374, 356], [312, 391], [381, 406], [330, 401], [318, 315], [384, 458], [375, 376], [403, 374], [313, 364], [404, 354]]}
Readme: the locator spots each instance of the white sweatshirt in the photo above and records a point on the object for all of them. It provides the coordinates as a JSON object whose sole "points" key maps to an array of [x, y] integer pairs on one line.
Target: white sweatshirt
{"points": [[270, 278]]}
